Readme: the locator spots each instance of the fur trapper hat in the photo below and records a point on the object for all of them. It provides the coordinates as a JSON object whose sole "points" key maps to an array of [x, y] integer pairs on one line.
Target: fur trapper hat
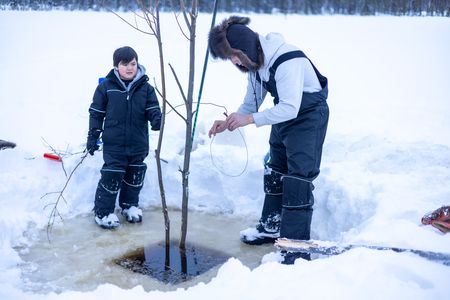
{"points": [[233, 37]]}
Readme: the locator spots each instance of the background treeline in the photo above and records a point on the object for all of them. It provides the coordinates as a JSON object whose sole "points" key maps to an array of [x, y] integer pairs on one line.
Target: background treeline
{"points": [[345, 7]]}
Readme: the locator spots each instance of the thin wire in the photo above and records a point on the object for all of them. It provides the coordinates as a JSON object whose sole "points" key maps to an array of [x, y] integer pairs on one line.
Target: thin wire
{"points": [[221, 170]]}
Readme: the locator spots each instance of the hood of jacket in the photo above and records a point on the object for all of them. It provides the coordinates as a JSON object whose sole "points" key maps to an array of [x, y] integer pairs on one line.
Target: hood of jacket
{"points": [[114, 75], [273, 45]]}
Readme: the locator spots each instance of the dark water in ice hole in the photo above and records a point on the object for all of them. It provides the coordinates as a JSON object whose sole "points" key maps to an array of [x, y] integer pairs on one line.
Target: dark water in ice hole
{"points": [[171, 264], [82, 256]]}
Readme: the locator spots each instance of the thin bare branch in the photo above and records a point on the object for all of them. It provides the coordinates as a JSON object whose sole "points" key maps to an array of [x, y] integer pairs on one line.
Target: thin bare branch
{"points": [[143, 7], [168, 102], [183, 11], [181, 28], [131, 25], [136, 15], [179, 85], [176, 111], [47, 194], [202, 103], [156, 88], [59, 153], [151, 22], [55, 213]]}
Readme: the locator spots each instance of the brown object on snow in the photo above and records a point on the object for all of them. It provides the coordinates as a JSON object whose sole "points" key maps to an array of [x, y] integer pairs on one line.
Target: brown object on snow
{"points": [[439, 218]]}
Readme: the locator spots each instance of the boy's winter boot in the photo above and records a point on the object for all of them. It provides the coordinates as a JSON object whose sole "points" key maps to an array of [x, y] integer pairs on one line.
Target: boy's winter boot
{"points": [[132, 184], [132, 214], [109, 221], [297, 213], [105, 198]]}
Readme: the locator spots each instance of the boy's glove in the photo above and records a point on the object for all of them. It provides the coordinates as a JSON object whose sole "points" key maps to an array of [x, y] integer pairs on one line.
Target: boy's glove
{"points": [[156, 124], [91, 144]]}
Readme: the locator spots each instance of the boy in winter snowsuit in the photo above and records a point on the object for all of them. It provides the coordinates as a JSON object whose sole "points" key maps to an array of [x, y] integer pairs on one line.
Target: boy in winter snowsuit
{"points": [[299, 121], [122, 106]]}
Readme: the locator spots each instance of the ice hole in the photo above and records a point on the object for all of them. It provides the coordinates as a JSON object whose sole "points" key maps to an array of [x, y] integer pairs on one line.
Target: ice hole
{"points": [[172, 264], [81, 256]]}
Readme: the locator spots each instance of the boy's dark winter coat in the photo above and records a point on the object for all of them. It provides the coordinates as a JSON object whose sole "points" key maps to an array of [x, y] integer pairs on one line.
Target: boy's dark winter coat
{"points": [[123, 114]]}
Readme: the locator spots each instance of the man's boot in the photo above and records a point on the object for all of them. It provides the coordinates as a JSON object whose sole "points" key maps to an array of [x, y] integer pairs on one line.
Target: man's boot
{"points": [[268, 228], [296, 213], [296, 223]]}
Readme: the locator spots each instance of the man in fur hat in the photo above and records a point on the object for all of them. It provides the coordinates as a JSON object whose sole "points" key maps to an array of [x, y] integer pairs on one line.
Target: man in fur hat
{"points": [[299, 121]]}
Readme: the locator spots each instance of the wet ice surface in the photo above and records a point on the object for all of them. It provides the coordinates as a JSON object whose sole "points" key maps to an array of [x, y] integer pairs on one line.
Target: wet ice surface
{"points": [[81, 255]]}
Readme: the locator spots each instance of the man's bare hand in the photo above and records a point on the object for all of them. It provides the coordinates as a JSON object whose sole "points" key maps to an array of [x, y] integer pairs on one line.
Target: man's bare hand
{"points": [[236, 120], [218, 127]]}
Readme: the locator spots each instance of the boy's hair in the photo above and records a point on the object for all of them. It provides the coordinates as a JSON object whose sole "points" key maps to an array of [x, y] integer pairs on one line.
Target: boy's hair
{"points": [[124, 54]]}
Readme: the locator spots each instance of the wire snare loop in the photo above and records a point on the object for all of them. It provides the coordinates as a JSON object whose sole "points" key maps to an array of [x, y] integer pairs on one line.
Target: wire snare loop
{"points": [[221, 170]]}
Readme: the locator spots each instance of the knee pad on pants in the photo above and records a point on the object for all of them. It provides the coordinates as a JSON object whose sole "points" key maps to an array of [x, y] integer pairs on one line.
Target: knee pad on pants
{"points": [[135, 175], [297, 193], [111, 180], [272, 182], [296, 224]]}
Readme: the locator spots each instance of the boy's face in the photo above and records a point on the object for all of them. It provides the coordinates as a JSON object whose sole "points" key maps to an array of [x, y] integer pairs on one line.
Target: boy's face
{"points": [[127, 71]]}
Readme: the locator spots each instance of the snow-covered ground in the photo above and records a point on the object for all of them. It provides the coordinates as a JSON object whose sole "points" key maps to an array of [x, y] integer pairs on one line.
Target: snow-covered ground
{"points": [[386, 159]]}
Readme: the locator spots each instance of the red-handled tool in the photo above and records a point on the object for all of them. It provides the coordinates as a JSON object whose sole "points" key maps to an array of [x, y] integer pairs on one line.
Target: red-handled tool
{"points": [[52, 156]]}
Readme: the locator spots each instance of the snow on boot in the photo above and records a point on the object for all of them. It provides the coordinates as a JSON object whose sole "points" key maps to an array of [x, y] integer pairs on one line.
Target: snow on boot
{"points": [[132, 214], [258, 235], [440, 214], [107, 222]]}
